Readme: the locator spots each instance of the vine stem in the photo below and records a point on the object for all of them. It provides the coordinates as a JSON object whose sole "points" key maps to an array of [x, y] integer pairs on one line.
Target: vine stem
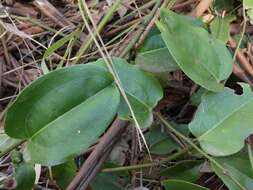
{"points": [[147, 165], [212, 160]]}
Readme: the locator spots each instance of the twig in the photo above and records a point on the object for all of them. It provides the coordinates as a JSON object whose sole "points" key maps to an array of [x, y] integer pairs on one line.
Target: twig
{"points": [[241, 74], [94, 162], [201, 8], [183, 4], [148, 165], [241, 58], [49, 10]]}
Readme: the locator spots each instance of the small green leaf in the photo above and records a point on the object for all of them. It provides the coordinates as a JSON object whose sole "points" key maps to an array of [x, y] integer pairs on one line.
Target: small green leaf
{"points": [[221, 5], [58, 44], [112, 181], [160, 142], [172, 184], [64, 173], [194, 50], [154, 56], [220, 27], [221, 116], [24, 172], [185, 170]]}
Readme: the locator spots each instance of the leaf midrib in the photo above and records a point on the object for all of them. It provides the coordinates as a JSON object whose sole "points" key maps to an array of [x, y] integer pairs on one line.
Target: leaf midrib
{"points": [[224, 119]]}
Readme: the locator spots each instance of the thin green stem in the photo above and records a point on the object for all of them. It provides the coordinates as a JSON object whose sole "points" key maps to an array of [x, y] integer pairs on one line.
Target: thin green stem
{"points": [[86, 44], [243, 31], [147, 165], [187, 140], [212, 160]]}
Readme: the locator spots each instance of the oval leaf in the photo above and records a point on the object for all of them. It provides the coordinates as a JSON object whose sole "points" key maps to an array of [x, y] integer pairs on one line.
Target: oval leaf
{"points": [[51, 96], [221, 116], [75, 130], [193, 50]]}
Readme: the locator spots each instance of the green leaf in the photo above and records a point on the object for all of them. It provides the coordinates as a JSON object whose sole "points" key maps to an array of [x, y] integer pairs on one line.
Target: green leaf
{"points": [[221, 5], [64, 173], [72, 107], [221, 116], [160, 142], [154, 56], [51, 96], [233, 178], [24, 172], [110, 181], [75, 130], [142, 97], [220, 27], [58, 44], [172, 184], [185, 170], [194, 50], [24, 176], [239, 161]]}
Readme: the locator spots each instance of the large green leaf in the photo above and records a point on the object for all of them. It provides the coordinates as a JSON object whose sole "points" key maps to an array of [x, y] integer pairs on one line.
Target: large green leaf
{"points": [[72, 107], [75, 130], [194, 51], [221, 116], [51, 96], [172, 184], [142, 97]]}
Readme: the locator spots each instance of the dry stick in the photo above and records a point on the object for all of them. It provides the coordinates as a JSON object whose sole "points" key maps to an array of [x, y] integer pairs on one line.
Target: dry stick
{"points": [[94, 162], [49, 10], [201, 8], [241, 58], [241, 74], [183, 4], [141, 30], [148, 165]]}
